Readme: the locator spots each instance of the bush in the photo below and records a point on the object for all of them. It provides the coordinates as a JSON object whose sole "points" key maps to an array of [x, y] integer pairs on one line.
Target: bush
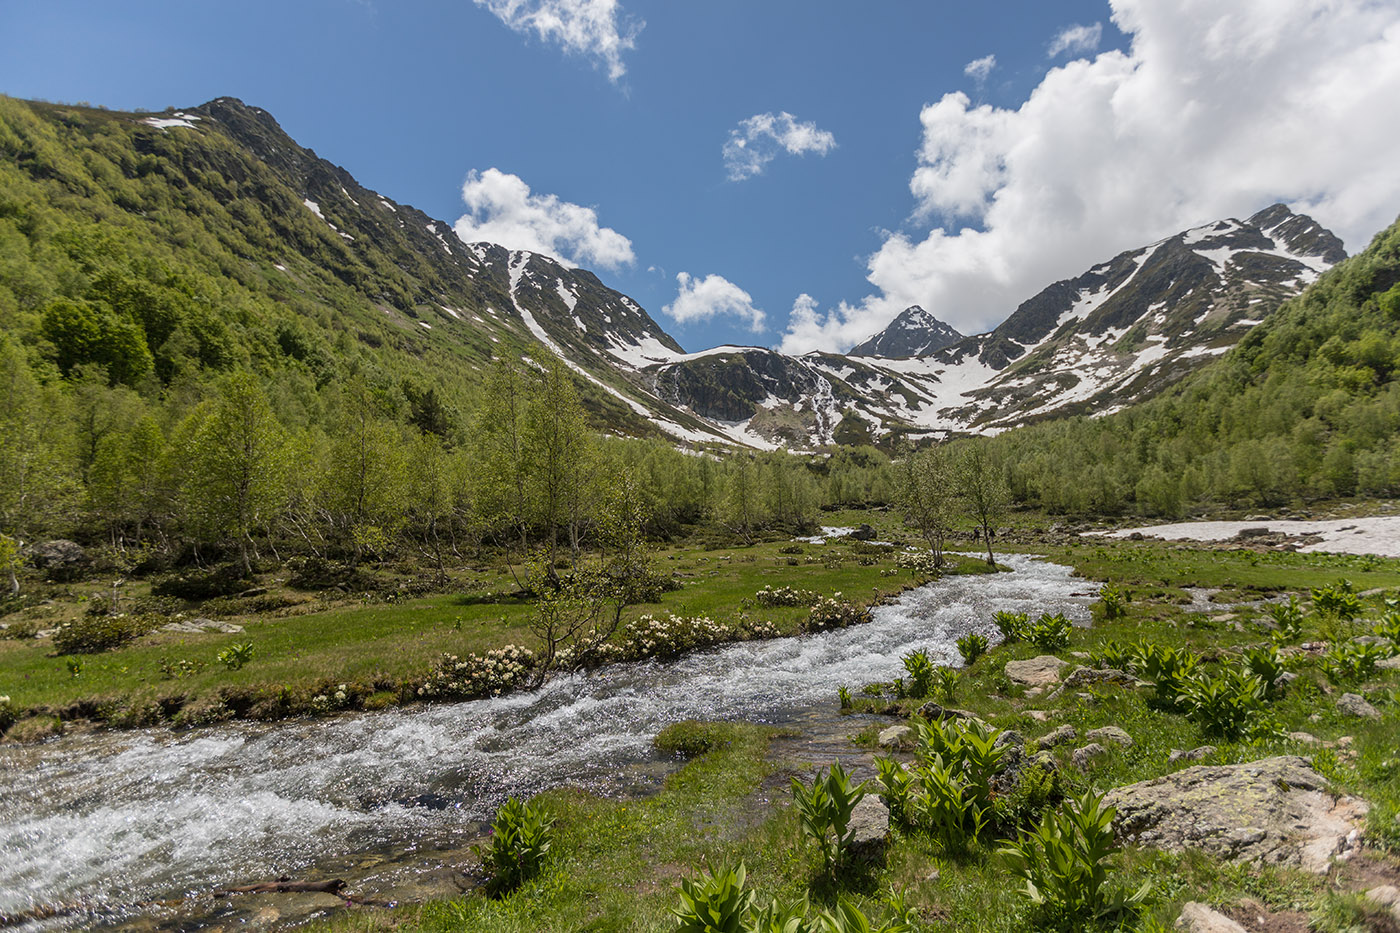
{"points": [[1115, 602], [221, 580], [824, 811], [1013, 626], [972, 646], [96, 633], [1351, 662], [520, 841], [833, 613], [1050, 632], [784, 596], [1223, 704], [492, 674], [921, 674], [673, 636], [236, 655], [1063, 864], [1338, 600], [7, 714]]}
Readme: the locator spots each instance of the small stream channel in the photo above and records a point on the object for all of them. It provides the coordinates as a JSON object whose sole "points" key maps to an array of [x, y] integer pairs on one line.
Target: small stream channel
{"points": [[112, 819]]}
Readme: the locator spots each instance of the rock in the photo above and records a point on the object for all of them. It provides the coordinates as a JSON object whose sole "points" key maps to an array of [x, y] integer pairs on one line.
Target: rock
{"points": [[1082, 676], [895, 737], [201, 627], [869, 827], [1039, 715], [1386, 896], [60, 559], [1275, 811], [1084, 757], [863, 533], [1008, 737], [1110, 734], [1057, 736], [932, 711], [1196, 917], [1352, 704], [1195, 754], [1390, 664], [1306, 738], [1037, 672]]}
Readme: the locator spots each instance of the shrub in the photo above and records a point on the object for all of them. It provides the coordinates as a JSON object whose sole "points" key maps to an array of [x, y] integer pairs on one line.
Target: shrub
{"points": [[972, 646], [1115, 602], [1289, 619], [921, 674], [1351, 662], [521, 837], [784, 596], [945, 683], [222, 580], [835, 613], [673, 636], [824, 811], [1013, 626], [1063, 864], [1036, 788], [1050, 632], [919, 563], [1167, 668], [1268, 665], [7, 714], [1223, 704], [236, 655], [1114, 656], [1337, 599], [96, 633], [500, 670]]}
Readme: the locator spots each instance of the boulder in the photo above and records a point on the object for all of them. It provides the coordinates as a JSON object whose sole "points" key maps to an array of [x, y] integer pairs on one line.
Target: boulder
{"points": [[863, 533], [1083, 676], [1390, 664], [1036, 672], [1352, 704], [1386, 896], [1275, 811], [895, 737], [1085, 756], [201, 627], [59, 559], [1057, 736], [1196, 917], [932, 711], [1111, 734], [1199, 753], [869, 827]]}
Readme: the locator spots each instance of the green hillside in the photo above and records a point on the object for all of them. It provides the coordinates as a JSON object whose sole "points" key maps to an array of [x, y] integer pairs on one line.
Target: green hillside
{"points": [[1306, 406]]}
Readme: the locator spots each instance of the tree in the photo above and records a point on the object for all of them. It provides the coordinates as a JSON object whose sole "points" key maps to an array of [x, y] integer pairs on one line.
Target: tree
{"points": [[982, 487], [559, 457], [740, 509], [235, 467], [928, 495], [500, 454], [37, 479], [366, 480]]}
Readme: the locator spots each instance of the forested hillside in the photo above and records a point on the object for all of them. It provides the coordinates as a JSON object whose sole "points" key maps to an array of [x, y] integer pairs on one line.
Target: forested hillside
{"points": [[1306, 406]]}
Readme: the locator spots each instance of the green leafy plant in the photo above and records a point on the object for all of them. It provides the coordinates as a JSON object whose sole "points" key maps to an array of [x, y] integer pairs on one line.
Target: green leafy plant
{"points": [[1115, 602], [778, 917], [825, 809], [1223, 704], [896, 785], [1289, 619], [972, 646], [74, 665], [945, 683], [1063, 862], [921, 674], [1389, 627], [521, 837], [235, 656], [1013, 626], [843, 692], [846, 917], [1050, 632], [1352, 663], [716, 902], [1268, 665], [1337, 599], [1168, 668], [1114, 656]]}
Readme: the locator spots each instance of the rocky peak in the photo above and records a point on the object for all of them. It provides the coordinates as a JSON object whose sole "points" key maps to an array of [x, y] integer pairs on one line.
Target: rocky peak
{"points": [[915, 332]]}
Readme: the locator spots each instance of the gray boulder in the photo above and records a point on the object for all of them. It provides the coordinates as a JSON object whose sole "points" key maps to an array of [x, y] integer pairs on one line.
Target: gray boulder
{"points": [[895, 737], [1085, 676], [1085, 756], [59, 559], [1200, 753], [1036, 672], [870, 828], [1275, 811], [1057, 736], [1196, 917], [1352, 704], [1111, 734]]}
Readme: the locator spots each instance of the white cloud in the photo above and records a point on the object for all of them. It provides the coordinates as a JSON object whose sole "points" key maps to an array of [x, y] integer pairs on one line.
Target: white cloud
{"points": [[1217, 110], [1075, 40], [501, 209], [979, 68], [594, 28], [712, 296], [757, 141]]}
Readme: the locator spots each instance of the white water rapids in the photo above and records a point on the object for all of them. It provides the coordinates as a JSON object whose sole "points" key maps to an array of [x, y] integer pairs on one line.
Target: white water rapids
{"points": [[114, 818]]}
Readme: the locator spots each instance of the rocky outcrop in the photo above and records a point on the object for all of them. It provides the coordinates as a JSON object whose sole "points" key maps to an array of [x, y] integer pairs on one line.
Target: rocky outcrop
{"points": [[1276, 811], [869, 827], [1036, 672], [1196, 917]]}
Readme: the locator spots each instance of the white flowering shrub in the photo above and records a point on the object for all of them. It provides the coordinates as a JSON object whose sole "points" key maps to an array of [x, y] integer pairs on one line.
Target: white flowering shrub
{"points": [[672, 636], [784, 596], [7, 713], [499, 671], [835, 612], [920, 563], [589, 655]]}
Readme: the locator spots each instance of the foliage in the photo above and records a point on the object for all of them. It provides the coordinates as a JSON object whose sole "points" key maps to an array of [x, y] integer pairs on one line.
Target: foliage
{"points": [[972, 646], [783, 596], [1168, 668], [498, 671], [824, 811], [1114, 600], [1113, 655], [1225, 703], [235, 656], [1050, 632], [1289, 619], [1337, 599], [928, 496], [945, 682], [1266, 663], [1352, 662], [1013, 626], [843, 693], [92, 634], [716, 902], [835, 612], [921, 674], [1063, 863], [521, 837]]}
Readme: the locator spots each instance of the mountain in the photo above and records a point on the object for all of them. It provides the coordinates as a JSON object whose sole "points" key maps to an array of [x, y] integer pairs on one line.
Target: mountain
{"points": [[914, 332], [1120, 332]]}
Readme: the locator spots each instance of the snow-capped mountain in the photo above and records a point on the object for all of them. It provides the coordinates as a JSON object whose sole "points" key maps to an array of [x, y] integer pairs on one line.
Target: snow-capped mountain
{"points": [[914, 332], [1123, 330]]}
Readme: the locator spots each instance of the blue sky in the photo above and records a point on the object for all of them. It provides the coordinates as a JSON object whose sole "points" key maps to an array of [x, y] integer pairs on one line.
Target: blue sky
{"points": [[1097, 128]]}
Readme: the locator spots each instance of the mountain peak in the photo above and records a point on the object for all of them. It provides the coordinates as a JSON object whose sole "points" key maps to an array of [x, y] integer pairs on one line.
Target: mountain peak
{"points": [[914, 332]]}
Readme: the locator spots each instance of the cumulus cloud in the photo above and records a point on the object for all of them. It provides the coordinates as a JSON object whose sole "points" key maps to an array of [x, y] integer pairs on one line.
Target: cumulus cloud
{"points": [[712, 296], [1216, 110], [979, 68], [501, 209], [593, 28], [1076, 40], [758, 140]]}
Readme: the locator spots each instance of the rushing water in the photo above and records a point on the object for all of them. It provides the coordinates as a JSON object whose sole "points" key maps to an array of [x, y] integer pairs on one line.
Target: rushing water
{"points": [[119, 817]]}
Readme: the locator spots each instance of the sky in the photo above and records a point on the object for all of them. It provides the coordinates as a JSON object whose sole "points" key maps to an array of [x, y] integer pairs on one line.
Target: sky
{"points": [[787, 173]]}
